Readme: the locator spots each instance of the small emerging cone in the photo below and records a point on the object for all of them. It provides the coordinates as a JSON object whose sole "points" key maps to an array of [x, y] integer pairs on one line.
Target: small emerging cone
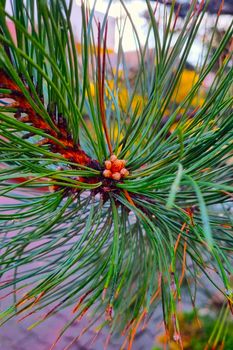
{"points": [[115, 168]]}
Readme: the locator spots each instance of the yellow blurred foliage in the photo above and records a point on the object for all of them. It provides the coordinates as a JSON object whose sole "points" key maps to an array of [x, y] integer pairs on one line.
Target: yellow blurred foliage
{"points": [[123, 97], [187, 79]]}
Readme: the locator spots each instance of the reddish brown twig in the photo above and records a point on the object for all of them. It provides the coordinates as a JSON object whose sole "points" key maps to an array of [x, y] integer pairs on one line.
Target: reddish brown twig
{"points": [[65, 145], [100, 78], [128, 197]]}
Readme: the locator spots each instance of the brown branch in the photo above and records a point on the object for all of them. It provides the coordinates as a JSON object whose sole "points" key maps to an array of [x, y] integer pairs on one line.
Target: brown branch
{"points": [[66, 146]]}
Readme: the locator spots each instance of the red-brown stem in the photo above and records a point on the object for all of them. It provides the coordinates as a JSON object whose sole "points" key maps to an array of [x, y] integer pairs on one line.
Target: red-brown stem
{"points": [[65, 145], [183, 262], [201, 5], [220, 8], [134, 329], [100, 78], [156, 6], [176, 16], [104, 59], [82, 298], [128, 197]]}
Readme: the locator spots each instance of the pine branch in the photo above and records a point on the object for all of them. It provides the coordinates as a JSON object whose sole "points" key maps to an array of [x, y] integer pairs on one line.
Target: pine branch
{"points": [[131, 219]]}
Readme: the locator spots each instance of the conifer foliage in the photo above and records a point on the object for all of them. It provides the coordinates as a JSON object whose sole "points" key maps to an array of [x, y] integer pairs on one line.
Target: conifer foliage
{"points": [[111, 209]]}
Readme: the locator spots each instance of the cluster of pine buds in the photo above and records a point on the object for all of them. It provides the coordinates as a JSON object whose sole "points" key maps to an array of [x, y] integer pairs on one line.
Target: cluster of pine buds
{"points": [[115, 168]]}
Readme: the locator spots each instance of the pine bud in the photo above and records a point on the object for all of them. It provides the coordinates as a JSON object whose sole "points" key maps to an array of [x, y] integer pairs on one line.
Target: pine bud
{"points": [[116, 176], [124, 172], [107, 173], [108, 164], [116, 166], [113, 158]]}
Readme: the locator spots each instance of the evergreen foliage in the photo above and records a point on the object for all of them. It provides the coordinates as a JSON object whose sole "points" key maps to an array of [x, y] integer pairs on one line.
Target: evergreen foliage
{"points": [[115, 247]]}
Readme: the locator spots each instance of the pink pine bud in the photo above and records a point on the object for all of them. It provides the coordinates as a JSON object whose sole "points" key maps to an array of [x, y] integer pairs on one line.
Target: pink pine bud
{"points": [[107, 173], [116, 176], [117, 166], [108, 164], [113, 158], [124, 172]]}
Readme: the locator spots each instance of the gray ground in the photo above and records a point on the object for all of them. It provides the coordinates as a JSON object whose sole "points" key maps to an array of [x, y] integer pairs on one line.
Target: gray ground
{"points": [[15, 336]]}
